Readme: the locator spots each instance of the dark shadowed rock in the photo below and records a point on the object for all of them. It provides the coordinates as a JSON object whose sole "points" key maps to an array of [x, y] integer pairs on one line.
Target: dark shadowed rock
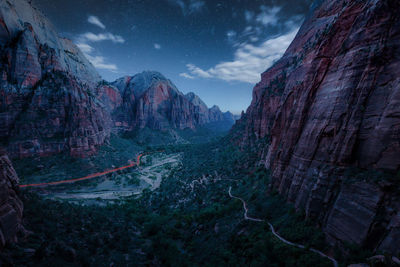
{"points": [[11, 206]]}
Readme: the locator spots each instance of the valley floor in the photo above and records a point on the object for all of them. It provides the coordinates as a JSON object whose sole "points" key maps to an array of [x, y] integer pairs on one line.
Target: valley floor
{"points": [[176, 209], [129, 183]]}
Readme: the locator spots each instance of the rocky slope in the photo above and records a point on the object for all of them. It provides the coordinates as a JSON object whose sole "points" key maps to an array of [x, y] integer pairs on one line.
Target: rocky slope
{"points": [[326, 121], [47, 98], [11, 206], [151, 100]]}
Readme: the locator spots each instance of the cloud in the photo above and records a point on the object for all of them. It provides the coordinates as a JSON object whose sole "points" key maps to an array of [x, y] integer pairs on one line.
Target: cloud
{"points": [[196, 6], [268, 16], [96, 21], [157, 46], [231, 35], [83, 42], [85, 48], [188, 7], [249, 15], [92, 37], [186, 75], [99, 63], [249, 60], [196, 71]]}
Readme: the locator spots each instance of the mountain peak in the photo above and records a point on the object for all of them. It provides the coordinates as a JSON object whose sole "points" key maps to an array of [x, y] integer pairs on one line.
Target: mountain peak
{"points": [[140, 82], [195, 99], [215, 108]]}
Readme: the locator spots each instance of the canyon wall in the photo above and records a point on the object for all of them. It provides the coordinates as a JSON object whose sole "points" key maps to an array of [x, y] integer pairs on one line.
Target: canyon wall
{"points": [[11, 206], [47, 99], [325, 119]]}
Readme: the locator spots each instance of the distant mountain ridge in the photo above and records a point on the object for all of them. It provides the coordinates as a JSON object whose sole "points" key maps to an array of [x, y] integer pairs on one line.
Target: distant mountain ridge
{"points": [[151, 100]]}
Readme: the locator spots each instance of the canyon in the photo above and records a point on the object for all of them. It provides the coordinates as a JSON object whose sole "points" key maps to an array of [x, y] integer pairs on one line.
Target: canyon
{"points": [[322, 130]]}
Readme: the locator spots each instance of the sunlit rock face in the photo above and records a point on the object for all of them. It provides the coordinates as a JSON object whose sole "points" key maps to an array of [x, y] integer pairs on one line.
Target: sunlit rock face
{"points": [[11, 206], [48, 101], [151, 100], [329, 106]]}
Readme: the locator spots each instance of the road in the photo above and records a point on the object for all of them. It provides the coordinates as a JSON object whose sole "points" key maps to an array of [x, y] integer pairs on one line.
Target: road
{"points": [[246, 217], [88, 177]]}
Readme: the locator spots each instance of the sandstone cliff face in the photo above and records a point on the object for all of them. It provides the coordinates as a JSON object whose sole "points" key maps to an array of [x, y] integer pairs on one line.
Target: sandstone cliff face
{"points": [[330, 106], [48, 101], [11, 206], [150, 100]]}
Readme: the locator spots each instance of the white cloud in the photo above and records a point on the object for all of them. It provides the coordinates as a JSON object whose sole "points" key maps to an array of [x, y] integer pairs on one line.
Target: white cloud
{"points": [[85, 48], [99, 63], [89, 51], [186, 75], [231, 34], [198, 72], [84, 43], [268, 16], [89, 36], [254, 39], [249, 60], [96, 21], [157, 46]]}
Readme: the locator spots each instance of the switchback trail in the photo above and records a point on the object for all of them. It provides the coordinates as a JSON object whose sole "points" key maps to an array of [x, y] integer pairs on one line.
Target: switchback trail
{"points": [[246, 217], [90, 176]]}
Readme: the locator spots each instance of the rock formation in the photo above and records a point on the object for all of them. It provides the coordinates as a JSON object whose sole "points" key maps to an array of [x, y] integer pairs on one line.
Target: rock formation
{"points": [[151, 100], [326, 121], [10, 205], [47, 98]]}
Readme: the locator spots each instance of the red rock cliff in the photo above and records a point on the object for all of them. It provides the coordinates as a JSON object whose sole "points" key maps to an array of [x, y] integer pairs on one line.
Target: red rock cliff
{"points": [[326, 121], [48, 102]]}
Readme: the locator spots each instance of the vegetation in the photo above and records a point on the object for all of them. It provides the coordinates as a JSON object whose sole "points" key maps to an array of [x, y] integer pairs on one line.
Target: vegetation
{"points": [[189, 221]]}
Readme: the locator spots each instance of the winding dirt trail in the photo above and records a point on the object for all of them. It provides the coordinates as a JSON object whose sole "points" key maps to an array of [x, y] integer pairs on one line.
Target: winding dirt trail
{"points": [[88, 177], [246, 217]]}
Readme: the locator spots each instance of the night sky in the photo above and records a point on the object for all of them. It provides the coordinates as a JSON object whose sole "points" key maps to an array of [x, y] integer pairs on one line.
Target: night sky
{"points": [[215, 48]]}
